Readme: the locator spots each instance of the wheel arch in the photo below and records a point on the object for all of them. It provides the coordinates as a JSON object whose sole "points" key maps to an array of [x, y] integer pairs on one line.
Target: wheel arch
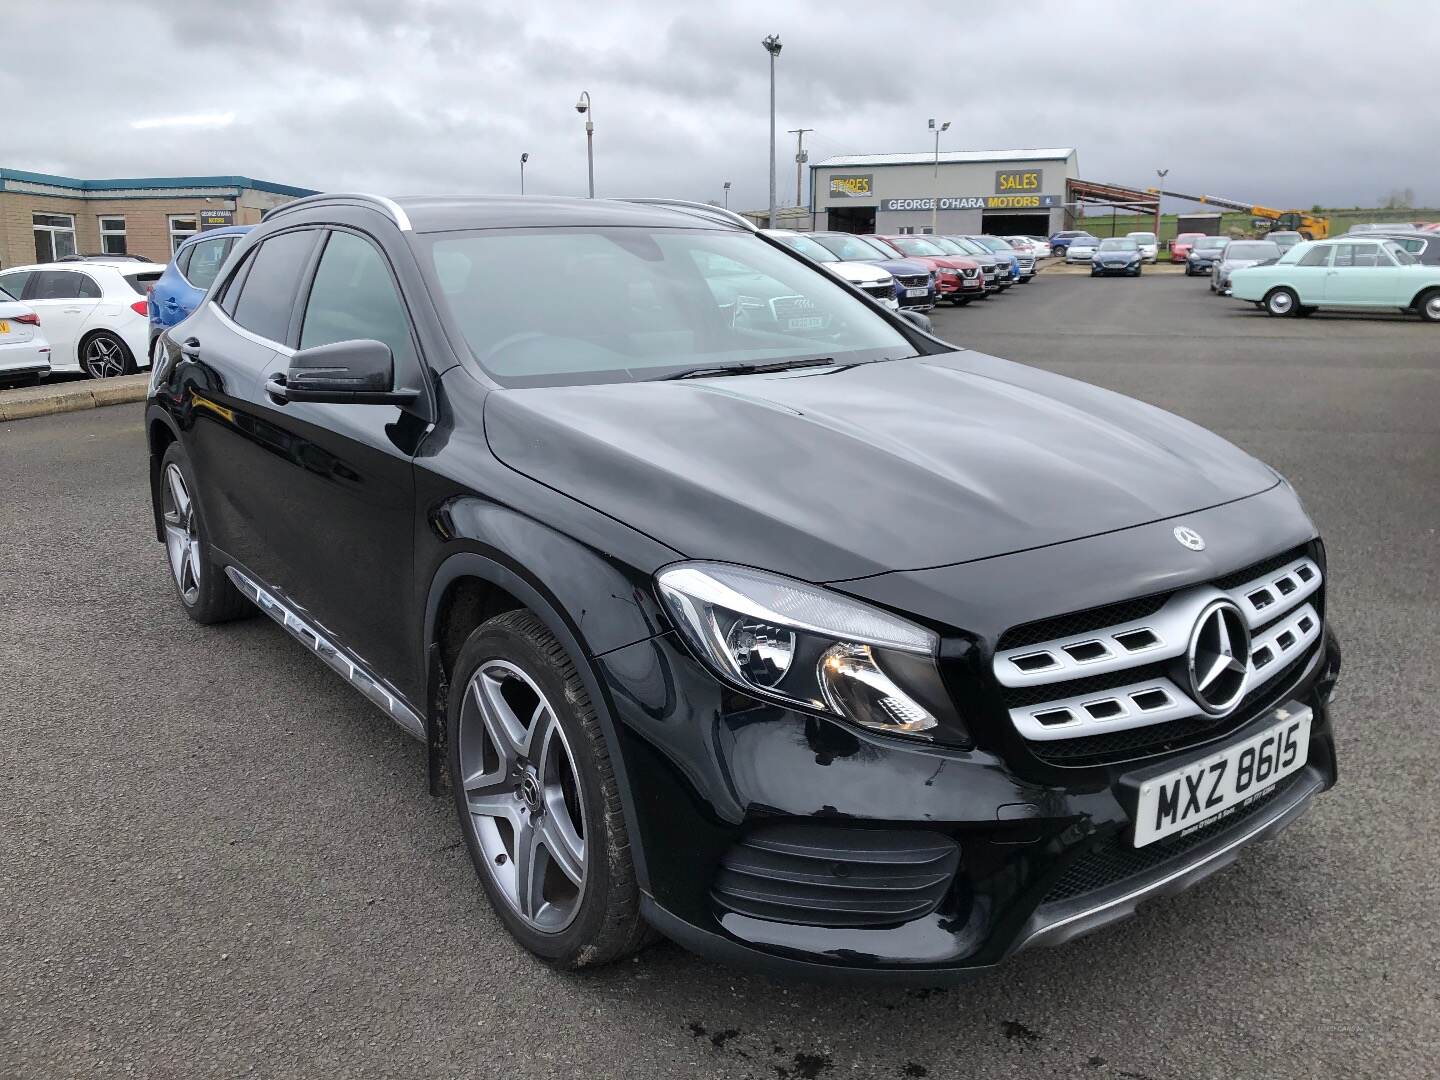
{"points": [[160, 432], [96, 331], [1420, 295], [467, 589]]}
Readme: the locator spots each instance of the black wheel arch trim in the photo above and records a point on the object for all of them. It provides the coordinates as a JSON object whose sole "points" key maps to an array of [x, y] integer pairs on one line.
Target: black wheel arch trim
{"points": [[470, 564]]}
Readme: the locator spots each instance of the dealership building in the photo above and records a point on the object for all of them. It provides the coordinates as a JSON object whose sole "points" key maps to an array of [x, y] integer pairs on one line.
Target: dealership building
{"points": [[1005, 192], [45, 217]]}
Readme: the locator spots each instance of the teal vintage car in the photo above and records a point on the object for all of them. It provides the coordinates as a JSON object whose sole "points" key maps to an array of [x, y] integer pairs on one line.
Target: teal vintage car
{"points": [[1347, 272]]}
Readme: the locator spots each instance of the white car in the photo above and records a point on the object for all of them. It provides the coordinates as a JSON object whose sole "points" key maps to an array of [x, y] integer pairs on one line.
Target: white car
{"points": [[93, 312], [874, 281], [24, 352], [1081, 249], [1148, 243], [1031, 245]]}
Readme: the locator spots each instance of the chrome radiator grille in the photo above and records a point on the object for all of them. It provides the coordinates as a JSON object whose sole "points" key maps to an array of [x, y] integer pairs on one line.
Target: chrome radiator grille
{"points": [[1124, 666]]}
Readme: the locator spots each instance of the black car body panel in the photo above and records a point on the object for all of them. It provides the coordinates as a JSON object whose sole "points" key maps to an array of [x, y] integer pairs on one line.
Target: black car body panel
{"points": [[972, 495]]}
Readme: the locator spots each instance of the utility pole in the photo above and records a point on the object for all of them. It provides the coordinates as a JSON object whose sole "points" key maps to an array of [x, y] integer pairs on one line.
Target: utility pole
{"points": [[772, 46], [801, 157], [935, 207]]}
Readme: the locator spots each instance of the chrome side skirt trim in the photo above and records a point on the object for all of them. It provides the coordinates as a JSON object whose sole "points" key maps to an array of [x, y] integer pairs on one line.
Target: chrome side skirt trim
{"points": [[373, 688], [1046, 931]]}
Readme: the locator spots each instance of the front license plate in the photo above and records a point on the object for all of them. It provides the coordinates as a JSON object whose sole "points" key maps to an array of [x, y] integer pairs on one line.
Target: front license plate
{"points": [[916, 292], [1217, 785]]}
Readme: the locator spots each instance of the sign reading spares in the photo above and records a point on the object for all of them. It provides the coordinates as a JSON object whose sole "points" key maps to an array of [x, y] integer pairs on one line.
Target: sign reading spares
{"points": [[1018, 181], [852, 187]]}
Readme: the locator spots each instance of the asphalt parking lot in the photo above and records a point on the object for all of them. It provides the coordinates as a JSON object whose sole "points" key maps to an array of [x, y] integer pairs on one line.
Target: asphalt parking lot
{"points": [[216, 859]]}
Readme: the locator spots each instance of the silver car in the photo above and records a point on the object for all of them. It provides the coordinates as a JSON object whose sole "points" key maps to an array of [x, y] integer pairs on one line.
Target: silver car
{"points": [[1081, 249], [1240, 253]]}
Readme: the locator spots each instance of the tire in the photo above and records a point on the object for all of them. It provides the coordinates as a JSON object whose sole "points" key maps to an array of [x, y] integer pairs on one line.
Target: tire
{"points": [[1094, 273], [550, 788], [1427, 305], [200, 583], [1281, 302], [105, 356]]}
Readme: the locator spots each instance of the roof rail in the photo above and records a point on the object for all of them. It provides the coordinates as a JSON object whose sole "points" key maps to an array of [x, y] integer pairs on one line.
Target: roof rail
{"points": [[699, 209], [390, 207]]}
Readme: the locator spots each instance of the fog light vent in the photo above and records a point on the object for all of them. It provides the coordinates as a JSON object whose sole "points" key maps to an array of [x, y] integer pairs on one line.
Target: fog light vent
{"points": [[820, 875]]}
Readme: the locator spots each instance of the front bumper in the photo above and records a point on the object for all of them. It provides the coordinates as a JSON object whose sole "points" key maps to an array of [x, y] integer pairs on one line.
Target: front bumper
{"points": [[1041, 853]]}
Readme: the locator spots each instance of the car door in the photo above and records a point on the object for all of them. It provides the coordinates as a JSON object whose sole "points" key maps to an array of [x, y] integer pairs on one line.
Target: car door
{"points": [[226, 347], [1307, 275], [64, 300], [341, 499], [1353, 279]]}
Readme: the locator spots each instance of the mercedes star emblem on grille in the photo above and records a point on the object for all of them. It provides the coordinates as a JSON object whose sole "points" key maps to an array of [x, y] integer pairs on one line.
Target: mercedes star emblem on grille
{"points": [[1219, 658], [1190, 538]]}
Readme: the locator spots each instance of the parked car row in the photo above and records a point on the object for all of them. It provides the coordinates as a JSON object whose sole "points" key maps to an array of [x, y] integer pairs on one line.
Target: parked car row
{"points": [[1364, 271], [1123, 254]]}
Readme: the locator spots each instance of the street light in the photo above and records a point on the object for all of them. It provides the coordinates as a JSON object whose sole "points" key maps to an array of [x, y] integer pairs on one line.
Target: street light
{"points": [[935, 207], [584, 109], [523, 158], [1161, 173], [727, 194], [772, 46]]}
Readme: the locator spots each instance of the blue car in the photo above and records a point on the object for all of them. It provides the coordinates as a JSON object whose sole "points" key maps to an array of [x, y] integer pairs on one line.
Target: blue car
{"points": [[914, 283], [188, 277]]}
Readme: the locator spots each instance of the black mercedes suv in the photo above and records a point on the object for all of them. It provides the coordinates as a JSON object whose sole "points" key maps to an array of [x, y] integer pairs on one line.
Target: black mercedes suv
{"points": [[730, 604]]}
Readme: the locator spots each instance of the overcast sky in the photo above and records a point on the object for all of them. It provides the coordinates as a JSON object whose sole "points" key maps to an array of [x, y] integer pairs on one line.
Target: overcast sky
{"points": [[1260, 101]]}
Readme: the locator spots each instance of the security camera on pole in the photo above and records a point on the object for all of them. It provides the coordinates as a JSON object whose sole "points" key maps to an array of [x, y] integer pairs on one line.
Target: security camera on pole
{"points": [[772, 46], [935, 208], [584, 109]]}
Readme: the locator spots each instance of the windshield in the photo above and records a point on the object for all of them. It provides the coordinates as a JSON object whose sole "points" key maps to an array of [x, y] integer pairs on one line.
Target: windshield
{"points": [[811, 249], [910, 245], [640, 304], [1084, 241], [970, 247], [948, 246], [1142, 237], [1212, 241], [1187, 237], [852, 247], [1118, 243], [1252, 249], [995, 243]]}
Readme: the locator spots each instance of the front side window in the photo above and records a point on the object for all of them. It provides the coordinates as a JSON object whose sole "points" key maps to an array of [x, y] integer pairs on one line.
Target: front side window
{"points": [[112, 235], [54, 236], [1400, 253], [203, 259], [1357, 255], [354, 297], [182, 227], [642, 304], [267, 295], [62, 285]]}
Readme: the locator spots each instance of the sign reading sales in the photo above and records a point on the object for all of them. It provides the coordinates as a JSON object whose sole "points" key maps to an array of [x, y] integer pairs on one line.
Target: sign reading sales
{"points": [[1018, 181]]}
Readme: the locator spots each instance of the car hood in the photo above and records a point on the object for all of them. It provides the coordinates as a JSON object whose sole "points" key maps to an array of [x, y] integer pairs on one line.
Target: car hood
{"points": [[858, 272], [829, 474], [1118, 256]]}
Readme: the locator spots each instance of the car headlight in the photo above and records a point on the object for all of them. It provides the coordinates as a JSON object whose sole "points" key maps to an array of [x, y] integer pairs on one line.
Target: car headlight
{"points": [[805, 646]]}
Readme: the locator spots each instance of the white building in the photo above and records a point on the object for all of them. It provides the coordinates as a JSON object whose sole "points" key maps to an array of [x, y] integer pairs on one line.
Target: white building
{"points": [[1018, 192]]}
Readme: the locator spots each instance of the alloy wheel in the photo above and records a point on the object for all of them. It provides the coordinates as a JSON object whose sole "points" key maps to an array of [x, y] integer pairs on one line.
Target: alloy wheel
{"points": [[182, 534], [104, 357], [1280, 303], [523, 794]]}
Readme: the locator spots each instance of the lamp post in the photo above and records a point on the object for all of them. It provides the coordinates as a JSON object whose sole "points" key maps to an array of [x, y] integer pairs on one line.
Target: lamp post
{"points": [[584, 108], [523, 158], [727, 194], [772, 46], [935, 208], [1161, 173]]}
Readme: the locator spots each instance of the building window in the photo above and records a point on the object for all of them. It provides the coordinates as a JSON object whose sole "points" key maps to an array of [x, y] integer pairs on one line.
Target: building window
{"points": [[54, 236], [181, 228], [112, 236]]}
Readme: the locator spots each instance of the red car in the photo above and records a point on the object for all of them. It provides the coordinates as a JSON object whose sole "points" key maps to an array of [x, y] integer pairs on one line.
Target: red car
{"points": [[957, 278], [1181, 245]]}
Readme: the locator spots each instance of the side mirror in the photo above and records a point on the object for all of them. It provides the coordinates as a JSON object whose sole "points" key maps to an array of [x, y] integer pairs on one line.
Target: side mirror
{"points": [[358, 372], [919, 319]]}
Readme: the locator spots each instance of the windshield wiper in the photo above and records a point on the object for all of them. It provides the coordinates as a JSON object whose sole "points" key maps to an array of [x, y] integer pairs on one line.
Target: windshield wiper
{"points": [[749, 369]]}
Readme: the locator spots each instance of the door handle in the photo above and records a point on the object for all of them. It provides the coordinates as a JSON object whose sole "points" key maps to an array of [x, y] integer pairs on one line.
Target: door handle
{"points": [[72, 310]]}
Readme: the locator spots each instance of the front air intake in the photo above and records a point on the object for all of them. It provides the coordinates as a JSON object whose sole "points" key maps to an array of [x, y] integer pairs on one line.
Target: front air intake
{"points": [[822, 875]]}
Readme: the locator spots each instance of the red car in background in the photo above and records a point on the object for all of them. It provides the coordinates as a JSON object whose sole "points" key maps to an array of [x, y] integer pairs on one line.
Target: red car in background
{"points": [[1181, 245], [957, 278]]}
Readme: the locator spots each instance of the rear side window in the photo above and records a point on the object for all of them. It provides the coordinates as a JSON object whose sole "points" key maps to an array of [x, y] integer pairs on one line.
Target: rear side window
{"points": [[14, 282], [142, 283], [267, 296], [204, 259], [354, 297]]}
